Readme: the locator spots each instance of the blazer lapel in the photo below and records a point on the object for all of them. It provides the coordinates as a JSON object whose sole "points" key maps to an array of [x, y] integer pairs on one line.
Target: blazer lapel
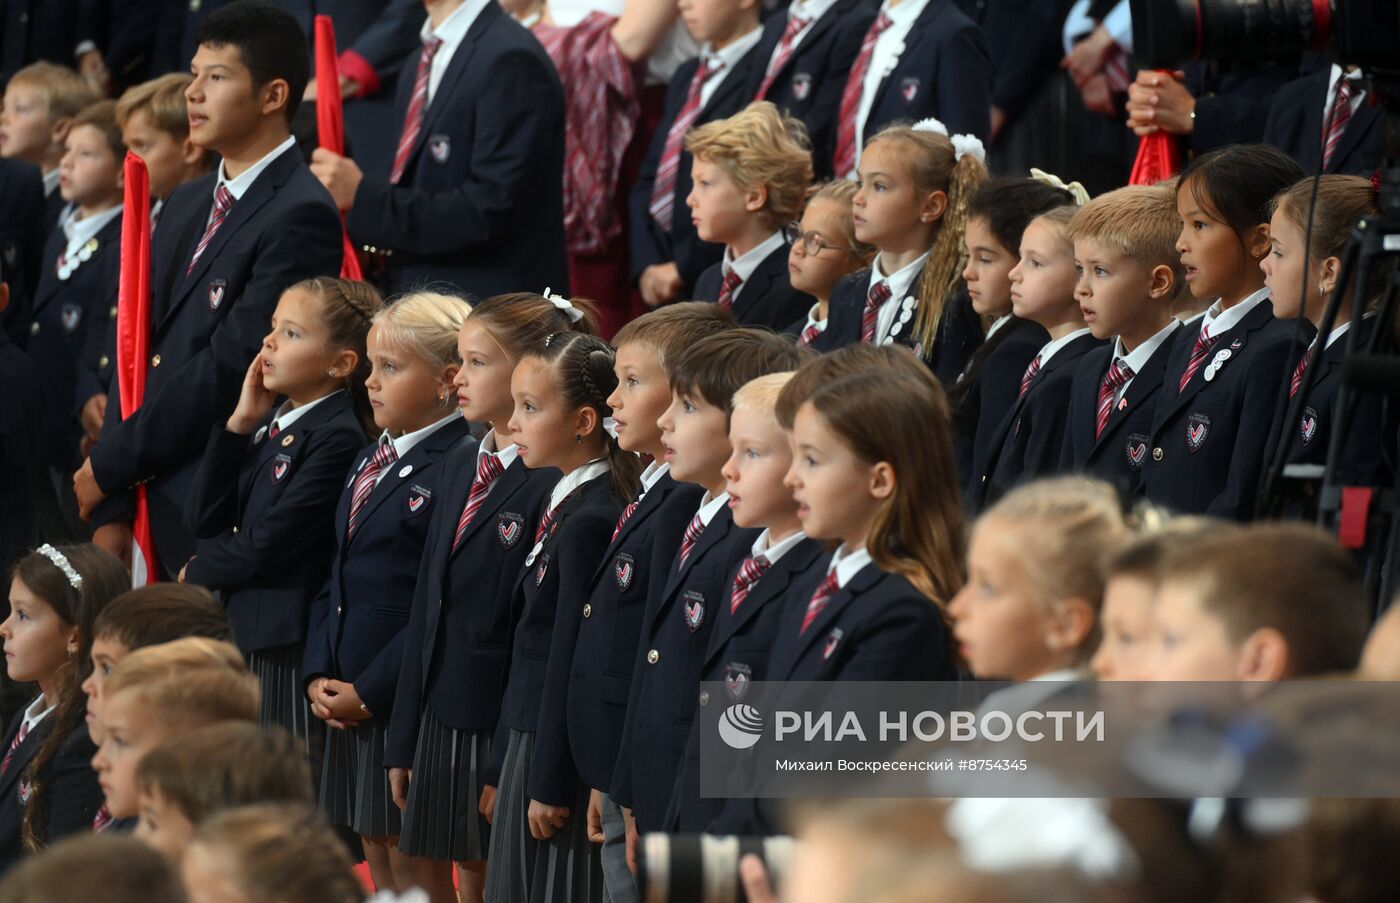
{"points": [[24, 753], [769, 589], [913, 50], [1140, 391], [758, 285], [460, 60], [501, 491], [1366, 118], [649, 503], [1233, 339], [781, 670], [736, 81], [48, 280], [718, 528]]}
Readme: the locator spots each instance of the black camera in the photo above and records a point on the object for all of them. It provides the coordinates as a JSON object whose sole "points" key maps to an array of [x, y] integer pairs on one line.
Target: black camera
{"points": [[702, 868], [1364, 33]]}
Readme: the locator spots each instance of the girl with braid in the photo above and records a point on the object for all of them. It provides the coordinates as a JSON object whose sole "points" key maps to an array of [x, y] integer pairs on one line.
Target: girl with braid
{"points": [[539, 841]]}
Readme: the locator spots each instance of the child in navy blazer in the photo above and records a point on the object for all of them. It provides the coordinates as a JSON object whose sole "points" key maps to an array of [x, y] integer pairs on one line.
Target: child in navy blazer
{"points": [[1342, 201], [689, 583], [355, 643], [1125, 250], [915, 184], [997, 216], [823, 249], [263, 500], [473, 196], [752, 605], [749, 174], [439, 752], [1212, 423], [47, 788], [1027, 441], [216, 272], [919, 58], [539, 843], [76, 287], [810, 45], [667, 255], [610, 619]]}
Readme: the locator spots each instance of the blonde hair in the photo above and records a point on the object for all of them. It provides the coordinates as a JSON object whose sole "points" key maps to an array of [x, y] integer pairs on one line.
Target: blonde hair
{"points": [[163, 100], [111, 867], [1075, 523], [424, 324], [1140, 221], [761, 395], [934, 165], [188, 683], [759, 146], [64, 91], [843, 192], [670, 330], [1059, 219], [281, 853]]}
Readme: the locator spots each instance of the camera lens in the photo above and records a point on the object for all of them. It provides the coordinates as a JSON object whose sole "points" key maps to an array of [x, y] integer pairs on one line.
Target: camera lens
{"points": [[1169, 32], [700, 868]]}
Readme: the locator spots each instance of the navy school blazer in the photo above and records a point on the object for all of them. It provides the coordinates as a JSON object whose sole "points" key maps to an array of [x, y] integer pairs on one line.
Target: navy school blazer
{"points": [[21, 241], [261, 513], [459, 630], [809, 85], [766, 298], [681, 245], [358, 619], [944, 72], [877, 627], [74, 794], [21, 458], [675, 636], [64, 312], [1120, 453], [959, 327], [1208, 441], [992, 393], [605, 651], [1026, 443], [479, 205], [1295, 127], [207, 325], [548, 606], [739, 653]]}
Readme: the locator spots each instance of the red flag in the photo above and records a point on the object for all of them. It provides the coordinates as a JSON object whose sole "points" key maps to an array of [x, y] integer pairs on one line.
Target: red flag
{"points": [[133, 341], [1158, 157], [330, 122]]}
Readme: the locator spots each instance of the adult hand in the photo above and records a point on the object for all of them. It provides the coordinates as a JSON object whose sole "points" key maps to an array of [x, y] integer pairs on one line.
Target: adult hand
{"points": [[340, 175], [1158, 101], [115, 538], [660, 284], [94, 410], [1098, 96], [93, 68], [85, 487], [1088, 56]]}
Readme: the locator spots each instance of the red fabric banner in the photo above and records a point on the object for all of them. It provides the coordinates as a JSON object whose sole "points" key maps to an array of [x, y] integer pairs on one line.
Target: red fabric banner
{"points": [[330, 122]]}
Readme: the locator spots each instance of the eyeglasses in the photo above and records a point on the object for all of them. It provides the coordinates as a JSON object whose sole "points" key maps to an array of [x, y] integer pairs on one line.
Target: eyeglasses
{"points": [[812, 242]]}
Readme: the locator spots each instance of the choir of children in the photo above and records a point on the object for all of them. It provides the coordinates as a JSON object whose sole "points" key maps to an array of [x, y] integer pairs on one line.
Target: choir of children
{"points": [[481, 635]]}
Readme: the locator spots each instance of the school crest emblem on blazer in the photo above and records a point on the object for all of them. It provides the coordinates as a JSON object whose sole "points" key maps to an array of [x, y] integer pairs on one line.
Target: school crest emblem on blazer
{"points": [[1197, 429], [1136, 450], [509, 528], [216, 293], [624, 567], [1307, 425], [693, 607]]}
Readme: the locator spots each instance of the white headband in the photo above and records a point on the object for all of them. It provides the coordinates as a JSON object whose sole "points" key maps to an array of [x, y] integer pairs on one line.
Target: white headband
{"points": [[75, 579], [1076, 190], [564, 304]]}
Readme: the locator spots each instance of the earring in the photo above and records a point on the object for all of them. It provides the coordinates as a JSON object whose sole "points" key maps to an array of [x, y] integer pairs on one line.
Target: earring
{"points": [[578, 438]]}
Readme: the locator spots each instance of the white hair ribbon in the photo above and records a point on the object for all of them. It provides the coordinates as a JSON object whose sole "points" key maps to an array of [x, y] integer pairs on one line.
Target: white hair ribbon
{"points": [[1076, 190], [564, 304], [931, 125], [75, 579], [968, 144]]}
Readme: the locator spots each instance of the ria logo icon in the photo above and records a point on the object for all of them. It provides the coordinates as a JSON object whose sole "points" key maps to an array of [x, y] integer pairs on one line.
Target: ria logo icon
{"points": [[740, 726]]}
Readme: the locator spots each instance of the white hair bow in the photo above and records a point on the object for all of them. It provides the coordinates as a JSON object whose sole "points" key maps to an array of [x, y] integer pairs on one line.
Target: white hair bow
{"points": [[564, 304], [1076, 190], [968, 144], [931, 125]]}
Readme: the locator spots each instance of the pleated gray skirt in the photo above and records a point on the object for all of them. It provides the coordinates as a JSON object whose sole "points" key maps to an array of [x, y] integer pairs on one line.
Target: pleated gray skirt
{"points": [[566, 868], [442, 821], [354, 783], [284, 701]]}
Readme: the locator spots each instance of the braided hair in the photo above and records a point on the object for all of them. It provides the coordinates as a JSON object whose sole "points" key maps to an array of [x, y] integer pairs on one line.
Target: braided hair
{"points": [[584, 377], [347, 309]]}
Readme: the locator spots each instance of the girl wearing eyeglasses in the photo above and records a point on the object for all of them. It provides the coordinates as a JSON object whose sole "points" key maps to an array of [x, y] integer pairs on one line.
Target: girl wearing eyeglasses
{"points": [[823, 249]]}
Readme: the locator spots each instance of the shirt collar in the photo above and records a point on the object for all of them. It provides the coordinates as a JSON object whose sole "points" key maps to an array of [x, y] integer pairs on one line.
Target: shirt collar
{"points": [[812, 319], [574, 479], [1336, 333], [710, 505], [811, 10], [733, 53], [239, 185], [51, 181], [405, 443], [455, 27], [505, 455], [900, 280], [78, 231], [653, 474], [997, 324], [771, 554], [1049, 349], [746, 263], [36, 712], [848, 564], [1219, 321], [287, 415], [903, 13], [1138, 358]]}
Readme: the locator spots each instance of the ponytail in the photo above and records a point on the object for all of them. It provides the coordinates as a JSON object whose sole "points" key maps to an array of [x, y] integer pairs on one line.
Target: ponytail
{"points": [[948, 257]]}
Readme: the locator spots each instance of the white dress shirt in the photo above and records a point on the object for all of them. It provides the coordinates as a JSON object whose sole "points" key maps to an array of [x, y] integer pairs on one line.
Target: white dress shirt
{"points": [[888, 49]]}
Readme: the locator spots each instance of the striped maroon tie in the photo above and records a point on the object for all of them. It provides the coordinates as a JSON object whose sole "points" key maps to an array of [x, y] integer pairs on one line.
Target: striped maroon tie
{"points": [[1027, 377], [14, 745], [1199, 352], [732, 281], [627, 512], [786, 45], [1116, 377], [819, 599], [102, 820], [750, 572], [1297, 381], [488, 469], [845, 158], [692, 534], [413, 118], [1337, 120], [663, 190], [223, 203], [809, 335], [367, 480], [879, 293]]}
